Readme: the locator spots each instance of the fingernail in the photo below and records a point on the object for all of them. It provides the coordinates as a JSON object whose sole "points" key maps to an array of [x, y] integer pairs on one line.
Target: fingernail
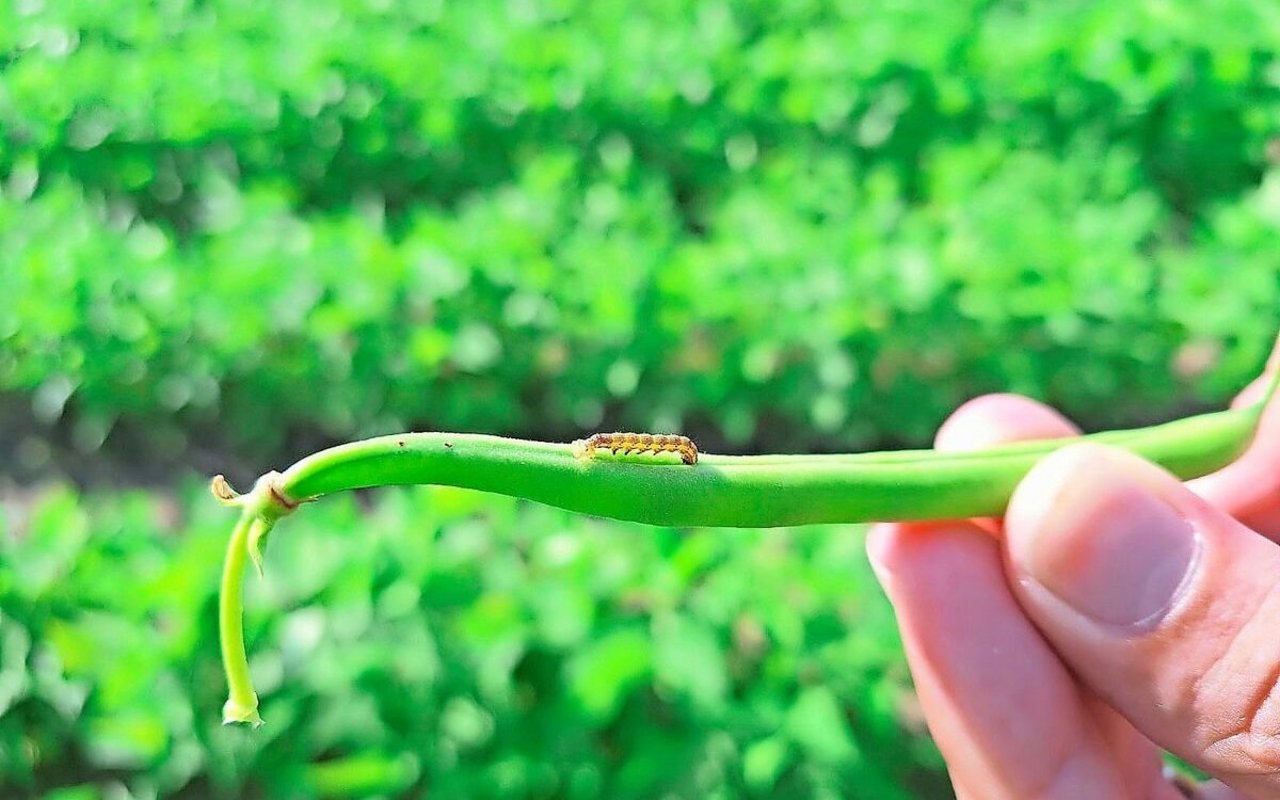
{"points": [[1089, 524]]}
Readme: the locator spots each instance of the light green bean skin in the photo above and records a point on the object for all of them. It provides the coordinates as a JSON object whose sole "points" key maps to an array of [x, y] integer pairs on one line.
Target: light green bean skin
{"points": [[745, 491], [718, 491]]}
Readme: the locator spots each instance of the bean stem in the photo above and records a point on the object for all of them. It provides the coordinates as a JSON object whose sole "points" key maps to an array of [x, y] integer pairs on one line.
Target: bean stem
{"points": [[242, 702]]}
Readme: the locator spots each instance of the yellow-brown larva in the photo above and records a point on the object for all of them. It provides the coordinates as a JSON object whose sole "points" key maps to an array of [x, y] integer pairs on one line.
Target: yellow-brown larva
{"points": [[627, 443]]}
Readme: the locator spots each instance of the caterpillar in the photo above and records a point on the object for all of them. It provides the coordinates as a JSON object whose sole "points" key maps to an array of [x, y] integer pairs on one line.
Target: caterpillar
{"points": [[627, 443]]}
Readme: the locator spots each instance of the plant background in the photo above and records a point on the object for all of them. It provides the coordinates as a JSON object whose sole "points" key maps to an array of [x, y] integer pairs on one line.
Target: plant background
{"points": [[234, 232]]}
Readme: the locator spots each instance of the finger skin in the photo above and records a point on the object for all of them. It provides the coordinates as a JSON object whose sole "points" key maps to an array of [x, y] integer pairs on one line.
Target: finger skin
{"points": [[1006, 714], [1199, 679], [997, 419], [1249, 488], [1002, 709]]}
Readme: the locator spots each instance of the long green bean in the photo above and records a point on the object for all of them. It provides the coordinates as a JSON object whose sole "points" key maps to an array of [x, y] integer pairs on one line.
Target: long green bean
{"points": [[659, 489]]}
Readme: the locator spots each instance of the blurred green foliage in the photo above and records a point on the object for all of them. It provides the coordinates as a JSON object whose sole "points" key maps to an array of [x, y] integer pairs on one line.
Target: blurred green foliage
{"points": [[769, 224], [446, 641], [232, 232]]}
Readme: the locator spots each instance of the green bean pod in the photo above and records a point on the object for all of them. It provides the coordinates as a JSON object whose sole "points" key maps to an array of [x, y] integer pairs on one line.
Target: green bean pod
{"points": [[717, 491], [742, 491]]}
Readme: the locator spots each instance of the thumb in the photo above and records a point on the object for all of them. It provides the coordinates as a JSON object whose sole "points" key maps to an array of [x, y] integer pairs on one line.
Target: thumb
{"points": [[1163, 605]]}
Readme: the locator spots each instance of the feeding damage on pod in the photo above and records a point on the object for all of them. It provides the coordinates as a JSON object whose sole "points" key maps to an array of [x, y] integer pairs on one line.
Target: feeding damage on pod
{"points": [[628, 443]]}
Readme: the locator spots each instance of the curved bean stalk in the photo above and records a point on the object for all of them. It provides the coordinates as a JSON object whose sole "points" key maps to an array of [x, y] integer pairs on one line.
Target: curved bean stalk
{"points": [[662, 489]]}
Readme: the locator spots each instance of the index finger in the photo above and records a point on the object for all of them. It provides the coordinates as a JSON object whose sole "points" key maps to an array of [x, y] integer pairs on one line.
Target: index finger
{"points": [[967, 641], [1249, 488]]}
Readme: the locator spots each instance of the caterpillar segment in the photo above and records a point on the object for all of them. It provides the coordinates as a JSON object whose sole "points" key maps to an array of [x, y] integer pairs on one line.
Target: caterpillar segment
{"points": [[629, 443]]}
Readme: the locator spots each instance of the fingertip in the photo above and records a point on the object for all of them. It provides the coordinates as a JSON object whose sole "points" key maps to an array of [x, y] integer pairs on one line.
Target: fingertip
{"points": [[1101, 530], [877, 542], [901, 552], [895, 546], [1086, 469], [996, 419]]}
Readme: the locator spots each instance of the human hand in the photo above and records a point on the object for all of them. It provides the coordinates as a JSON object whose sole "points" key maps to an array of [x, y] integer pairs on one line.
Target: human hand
{"points": [[1117, 612]]}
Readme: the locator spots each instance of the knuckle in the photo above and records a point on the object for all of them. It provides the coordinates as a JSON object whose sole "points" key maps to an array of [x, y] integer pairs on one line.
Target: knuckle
{"points": [[1240, 695]]}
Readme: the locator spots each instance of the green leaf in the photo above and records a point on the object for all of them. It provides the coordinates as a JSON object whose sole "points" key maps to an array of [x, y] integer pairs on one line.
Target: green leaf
{"points": [[817, 725], [607, 670]]}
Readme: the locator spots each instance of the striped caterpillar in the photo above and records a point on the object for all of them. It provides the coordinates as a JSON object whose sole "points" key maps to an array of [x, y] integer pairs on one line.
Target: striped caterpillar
{"points": [[627, 443]]}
